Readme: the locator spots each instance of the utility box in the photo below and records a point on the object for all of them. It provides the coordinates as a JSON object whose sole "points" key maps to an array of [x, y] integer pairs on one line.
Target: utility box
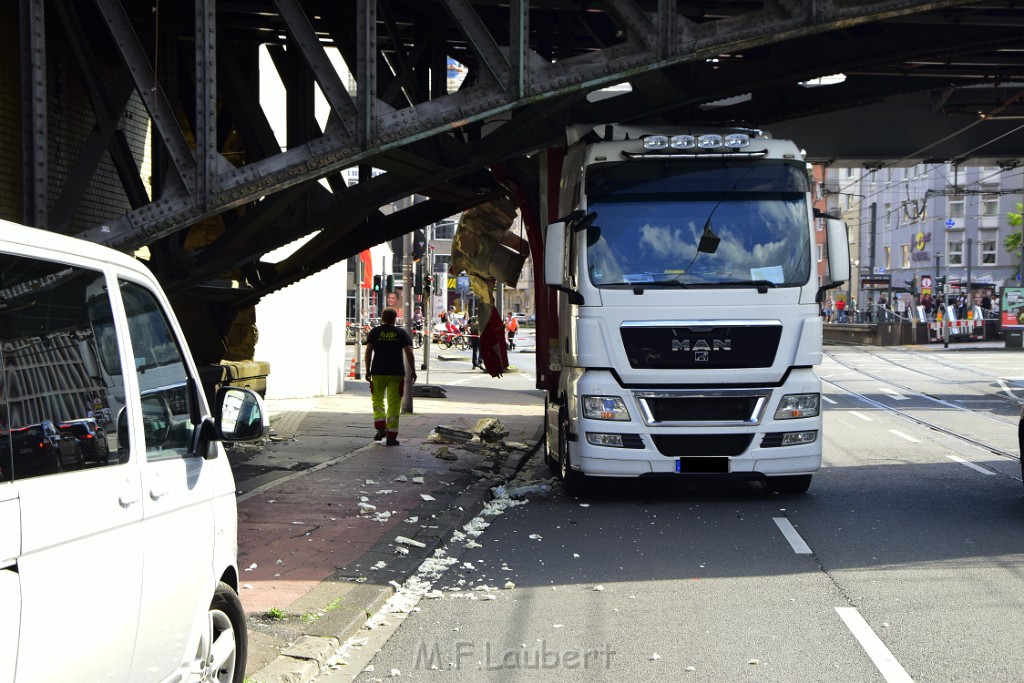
{"points": [[1014, 337]]}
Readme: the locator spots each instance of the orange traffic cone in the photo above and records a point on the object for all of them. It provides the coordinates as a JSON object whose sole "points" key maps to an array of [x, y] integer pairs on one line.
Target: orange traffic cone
{"points": [[352, 369]]}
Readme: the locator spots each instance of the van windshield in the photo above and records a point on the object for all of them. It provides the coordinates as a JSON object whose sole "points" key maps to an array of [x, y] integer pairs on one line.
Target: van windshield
{"points": [[652, 216]]}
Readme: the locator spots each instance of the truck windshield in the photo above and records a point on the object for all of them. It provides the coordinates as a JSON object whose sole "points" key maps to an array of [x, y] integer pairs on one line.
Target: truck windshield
{"points": [[651, 216]]}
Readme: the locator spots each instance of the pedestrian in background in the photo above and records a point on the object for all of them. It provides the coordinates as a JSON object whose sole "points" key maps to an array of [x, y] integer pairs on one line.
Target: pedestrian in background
{"points": [[387, 348], [474, 340], [511, 326]]}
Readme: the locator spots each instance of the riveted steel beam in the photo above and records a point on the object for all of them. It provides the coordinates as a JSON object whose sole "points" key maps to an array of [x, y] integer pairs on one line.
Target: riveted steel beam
{"points": [[34, 147], [165, 121]]}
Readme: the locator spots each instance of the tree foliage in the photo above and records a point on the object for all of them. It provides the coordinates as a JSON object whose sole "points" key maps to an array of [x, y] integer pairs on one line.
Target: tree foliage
{"points": [[1012, 243]]}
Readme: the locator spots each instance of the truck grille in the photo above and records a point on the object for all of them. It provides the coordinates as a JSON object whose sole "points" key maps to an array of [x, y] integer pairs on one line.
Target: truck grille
{"points": [[690, 445], [687, 346], [696, 407]]}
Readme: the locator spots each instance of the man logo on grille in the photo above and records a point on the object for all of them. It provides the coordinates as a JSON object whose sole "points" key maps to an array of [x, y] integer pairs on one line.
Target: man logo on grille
{"points": [[698, 345]]}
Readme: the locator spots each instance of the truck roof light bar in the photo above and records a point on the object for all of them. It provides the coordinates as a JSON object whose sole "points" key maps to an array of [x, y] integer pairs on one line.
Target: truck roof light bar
{"points": [[705, 141], [696, 155]]}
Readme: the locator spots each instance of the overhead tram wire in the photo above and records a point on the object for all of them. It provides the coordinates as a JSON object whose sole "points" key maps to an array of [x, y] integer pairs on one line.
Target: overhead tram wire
{"points": [[981, 119]]}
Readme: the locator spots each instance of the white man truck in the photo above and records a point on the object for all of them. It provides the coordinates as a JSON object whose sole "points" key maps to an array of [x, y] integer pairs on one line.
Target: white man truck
{"points": [[688, 307]]}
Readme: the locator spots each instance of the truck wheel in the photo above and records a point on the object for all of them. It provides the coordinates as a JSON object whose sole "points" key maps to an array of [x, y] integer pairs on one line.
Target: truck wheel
{"points": [[223, 647], [573, 482], [790, 485]]}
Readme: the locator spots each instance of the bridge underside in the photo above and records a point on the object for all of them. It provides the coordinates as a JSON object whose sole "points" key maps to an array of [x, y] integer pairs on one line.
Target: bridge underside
{"points": [[151, 124]]}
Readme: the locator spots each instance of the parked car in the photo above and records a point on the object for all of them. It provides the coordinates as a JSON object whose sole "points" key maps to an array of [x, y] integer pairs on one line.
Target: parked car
{"points": [[42, 449], [92, 438], [151, 538]]}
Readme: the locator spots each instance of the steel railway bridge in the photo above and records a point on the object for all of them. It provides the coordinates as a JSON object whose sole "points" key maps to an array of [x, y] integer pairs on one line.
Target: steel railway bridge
{"points": [[145, 123]]}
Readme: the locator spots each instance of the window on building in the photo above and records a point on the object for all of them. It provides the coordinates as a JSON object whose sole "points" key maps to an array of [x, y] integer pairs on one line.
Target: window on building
{"points": [[956, 206], [905, 255], [955, 252], [445, 230], [988, 251], [989, 205], [888, 215], [819, 253], [887, 257], [441, 263]]}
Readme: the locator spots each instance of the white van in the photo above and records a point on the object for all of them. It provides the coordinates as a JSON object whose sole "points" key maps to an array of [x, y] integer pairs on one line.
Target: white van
{"points": [[122, 568]]}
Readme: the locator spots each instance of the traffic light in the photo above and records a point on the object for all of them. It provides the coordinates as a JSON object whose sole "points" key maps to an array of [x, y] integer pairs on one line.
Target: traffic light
{"points": [[391, 283], [428, 279], [418, 280], [376, 283]]}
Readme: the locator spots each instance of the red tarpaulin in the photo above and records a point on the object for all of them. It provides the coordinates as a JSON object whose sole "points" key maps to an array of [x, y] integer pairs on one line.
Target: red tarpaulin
{"points": [[494, 345]]}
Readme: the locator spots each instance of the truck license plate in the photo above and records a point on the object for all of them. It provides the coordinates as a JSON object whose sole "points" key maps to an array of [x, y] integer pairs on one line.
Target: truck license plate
{"points": [[702, 465]]}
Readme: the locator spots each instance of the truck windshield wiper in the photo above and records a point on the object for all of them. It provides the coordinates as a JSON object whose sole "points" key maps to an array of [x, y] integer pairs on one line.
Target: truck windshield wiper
{"points": [[762, 285], [671, 283]]}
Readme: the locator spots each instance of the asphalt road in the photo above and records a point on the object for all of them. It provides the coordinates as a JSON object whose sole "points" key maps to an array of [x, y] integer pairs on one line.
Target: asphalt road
{"points": [[902, 563]]}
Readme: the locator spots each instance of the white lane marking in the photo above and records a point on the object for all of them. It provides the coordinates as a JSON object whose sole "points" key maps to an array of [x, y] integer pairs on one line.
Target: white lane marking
{"points": [[897, 396], [891, 670], [861, 416], [904, 436], [798, 544], [1010, 391], [966, 463], [826, 399]]}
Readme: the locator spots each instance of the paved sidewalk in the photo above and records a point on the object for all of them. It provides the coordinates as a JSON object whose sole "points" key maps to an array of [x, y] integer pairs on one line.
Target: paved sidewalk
{"points": [[314, 565]]}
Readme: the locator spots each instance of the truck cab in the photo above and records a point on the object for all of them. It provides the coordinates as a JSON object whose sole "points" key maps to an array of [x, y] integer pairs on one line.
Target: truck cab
{"points": [[688, 321]]}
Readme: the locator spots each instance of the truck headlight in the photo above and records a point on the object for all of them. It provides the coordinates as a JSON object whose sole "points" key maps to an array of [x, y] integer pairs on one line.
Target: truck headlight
{"points": [[613, 440], [798, 405], [604, 408]]}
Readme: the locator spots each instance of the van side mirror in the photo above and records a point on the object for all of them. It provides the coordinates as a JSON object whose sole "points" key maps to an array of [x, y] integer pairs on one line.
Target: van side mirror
{"points": [[239, 415]]}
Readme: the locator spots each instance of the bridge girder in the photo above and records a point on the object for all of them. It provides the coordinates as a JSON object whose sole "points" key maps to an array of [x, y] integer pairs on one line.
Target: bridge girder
{"points": [[231, 178]]}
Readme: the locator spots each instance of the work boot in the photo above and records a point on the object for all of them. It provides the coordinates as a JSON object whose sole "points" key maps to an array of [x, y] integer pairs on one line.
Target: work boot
{"points": [[381, 433], [392, 441]]}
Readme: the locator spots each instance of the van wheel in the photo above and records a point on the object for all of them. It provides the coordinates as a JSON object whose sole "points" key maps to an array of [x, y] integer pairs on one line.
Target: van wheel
{"points": [[573, 482], [790, 485], [223, 647]]}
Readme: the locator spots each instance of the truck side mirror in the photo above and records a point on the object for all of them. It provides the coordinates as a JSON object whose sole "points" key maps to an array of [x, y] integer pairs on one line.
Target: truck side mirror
{"points": [[838, 250], [554, 255]]}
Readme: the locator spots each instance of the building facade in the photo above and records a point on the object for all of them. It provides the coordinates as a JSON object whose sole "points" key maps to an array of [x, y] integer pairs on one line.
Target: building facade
{"points": [[914, 229]]}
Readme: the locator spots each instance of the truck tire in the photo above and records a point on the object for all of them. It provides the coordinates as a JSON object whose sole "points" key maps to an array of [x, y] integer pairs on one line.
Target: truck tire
{"points": [[791, 485], [573, 482]]}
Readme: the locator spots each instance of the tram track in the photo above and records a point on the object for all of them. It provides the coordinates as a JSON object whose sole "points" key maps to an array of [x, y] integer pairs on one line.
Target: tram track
{"points": [[940, 402], [1001, 395]]}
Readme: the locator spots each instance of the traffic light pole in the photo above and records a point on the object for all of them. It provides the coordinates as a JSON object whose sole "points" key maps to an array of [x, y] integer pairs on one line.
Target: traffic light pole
{"points": [[361, 270], [407, 290]]}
